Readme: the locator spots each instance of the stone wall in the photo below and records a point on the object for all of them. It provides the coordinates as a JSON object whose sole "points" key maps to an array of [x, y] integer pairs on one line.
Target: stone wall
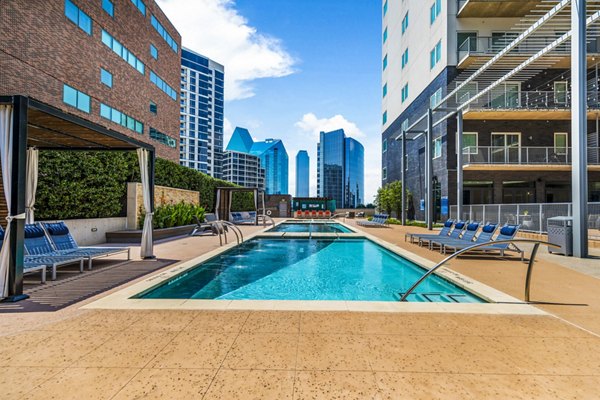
{"points": [[162, 195]]}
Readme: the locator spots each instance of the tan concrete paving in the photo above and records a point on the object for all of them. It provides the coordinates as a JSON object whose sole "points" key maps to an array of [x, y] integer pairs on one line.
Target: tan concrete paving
{"points": [[173, 354]]}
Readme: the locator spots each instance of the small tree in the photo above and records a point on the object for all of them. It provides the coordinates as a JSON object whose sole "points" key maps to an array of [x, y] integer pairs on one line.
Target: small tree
{"points": [[389, 198]]}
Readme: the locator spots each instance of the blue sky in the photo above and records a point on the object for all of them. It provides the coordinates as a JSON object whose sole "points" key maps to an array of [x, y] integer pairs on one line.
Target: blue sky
{"points": [[295, 67]]}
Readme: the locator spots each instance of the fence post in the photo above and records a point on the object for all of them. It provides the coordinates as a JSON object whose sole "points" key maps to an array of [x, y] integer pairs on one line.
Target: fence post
{"points": [[541, 216], [483, 217], [518, 212], [499, 216]]}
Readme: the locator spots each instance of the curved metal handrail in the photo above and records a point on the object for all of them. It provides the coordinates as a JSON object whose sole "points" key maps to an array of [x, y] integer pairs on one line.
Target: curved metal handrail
{"points": [[235, 229], [536, 243], [265, 217], [337, 215]]}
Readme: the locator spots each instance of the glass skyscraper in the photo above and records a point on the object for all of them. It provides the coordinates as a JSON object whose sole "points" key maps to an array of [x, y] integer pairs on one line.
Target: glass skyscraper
{"points": [[340, 172], [201, 120], [273, 158], [302, 174]]}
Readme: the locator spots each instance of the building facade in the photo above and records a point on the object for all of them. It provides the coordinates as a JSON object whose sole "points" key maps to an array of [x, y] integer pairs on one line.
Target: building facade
{"points": [[115, 63], [202, 102], [302, 174], [273, 158], [340, 169], [243, 169], [516, 137]]}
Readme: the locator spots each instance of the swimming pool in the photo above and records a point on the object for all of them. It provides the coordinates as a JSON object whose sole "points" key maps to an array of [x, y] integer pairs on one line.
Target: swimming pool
{"points": [[317, 227], [353, 269]]}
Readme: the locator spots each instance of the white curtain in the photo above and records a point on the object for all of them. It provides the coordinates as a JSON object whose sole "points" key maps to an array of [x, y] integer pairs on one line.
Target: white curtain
{"points": [[6, 136], [218, 203], [31, 184], [147, 244]]}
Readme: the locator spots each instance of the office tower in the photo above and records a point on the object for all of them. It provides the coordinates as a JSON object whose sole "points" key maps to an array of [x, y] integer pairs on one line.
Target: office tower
{"points": [[302, 174]]}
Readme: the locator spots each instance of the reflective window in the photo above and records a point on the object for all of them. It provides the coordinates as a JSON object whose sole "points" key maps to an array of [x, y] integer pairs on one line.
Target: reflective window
{"points": [[405, 23], [384, 118], [437, 147], [153, 52], [162, 138], [122, 52], [405, 93], [385, 90], [106, 77], [163, 33], [162, 85], [140, 6], [405, 58], [76, 98], [109, 7], [385, 35], [153, 108], [78, 17], [385, 62], [121, 118], [435, 55], [436, 98]]}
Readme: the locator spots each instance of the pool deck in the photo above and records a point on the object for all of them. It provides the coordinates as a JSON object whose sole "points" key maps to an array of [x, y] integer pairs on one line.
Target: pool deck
{"points": [[257, 354]]}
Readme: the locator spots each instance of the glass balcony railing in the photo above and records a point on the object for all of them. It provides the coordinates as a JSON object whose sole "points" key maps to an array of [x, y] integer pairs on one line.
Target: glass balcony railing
{"points": [[491, 45], [520, 155], [508, 97]]}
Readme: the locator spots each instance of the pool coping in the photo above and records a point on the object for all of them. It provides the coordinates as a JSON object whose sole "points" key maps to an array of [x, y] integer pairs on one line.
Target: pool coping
{"points": [[499, 302]]}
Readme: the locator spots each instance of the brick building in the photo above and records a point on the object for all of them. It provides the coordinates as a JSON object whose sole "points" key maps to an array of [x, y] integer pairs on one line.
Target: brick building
{"points": [[115, 63]]}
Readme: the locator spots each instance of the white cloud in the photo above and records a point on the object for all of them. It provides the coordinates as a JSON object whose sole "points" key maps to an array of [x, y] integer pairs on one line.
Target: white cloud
{"points": [[227, 132], [311, 125], [215, 29]]}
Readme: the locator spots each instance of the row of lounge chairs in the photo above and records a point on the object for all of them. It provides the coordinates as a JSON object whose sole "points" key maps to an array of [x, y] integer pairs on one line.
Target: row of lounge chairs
{"points": [[51, 245], [378, 221], [313, 214], [460, 235]]}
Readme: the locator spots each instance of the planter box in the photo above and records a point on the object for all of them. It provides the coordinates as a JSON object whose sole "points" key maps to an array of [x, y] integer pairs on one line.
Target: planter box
{"points": [[135, 236]]}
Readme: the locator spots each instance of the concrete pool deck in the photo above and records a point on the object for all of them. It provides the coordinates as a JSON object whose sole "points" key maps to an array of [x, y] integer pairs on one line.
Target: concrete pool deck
{"points": [[202, 354]]}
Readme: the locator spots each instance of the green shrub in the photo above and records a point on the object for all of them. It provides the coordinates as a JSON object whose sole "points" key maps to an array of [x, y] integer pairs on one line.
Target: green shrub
{"points": [[171, 215], [88, 184]]}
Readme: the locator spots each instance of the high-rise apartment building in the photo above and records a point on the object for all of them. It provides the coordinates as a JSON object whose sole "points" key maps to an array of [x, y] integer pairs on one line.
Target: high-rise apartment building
{"points": [[114, 63], [340, 169], [302, 174], [516, 136], [273, 158], [243, 169], [201, 123]]}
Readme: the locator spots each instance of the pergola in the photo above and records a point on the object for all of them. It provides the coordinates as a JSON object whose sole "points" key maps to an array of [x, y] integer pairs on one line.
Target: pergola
{"points": [[224, 195], [26, 123]]}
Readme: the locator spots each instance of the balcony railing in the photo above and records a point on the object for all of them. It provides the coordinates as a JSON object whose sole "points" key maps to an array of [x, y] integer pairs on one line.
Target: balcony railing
{"points": [[488, 45], [519, 155], [510, 98]]}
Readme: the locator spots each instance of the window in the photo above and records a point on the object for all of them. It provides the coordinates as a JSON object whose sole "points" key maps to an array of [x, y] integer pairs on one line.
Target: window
{"points": [[106, 77], [435, 10], [78, 17], [385, 62], [384, 145], [405, 23], [384, 173], [561, 143], [384, 117], [405, 93], [122, 52], [385, 7], [163, 138], [162, 85], [466, 92], [163, 33], [435, 55], [140, 6], [436, 98], [385, 34], [153, 52], [405, 58], [109, 7], [153, 108], [560, 92], [469, 143], [121, 118], [466, 42], [385, 90], [437, 147], [75, 98]]}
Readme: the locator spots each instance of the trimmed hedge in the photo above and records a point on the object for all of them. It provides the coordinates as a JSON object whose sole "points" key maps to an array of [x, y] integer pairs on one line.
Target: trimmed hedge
{"points": [[79, 184]]}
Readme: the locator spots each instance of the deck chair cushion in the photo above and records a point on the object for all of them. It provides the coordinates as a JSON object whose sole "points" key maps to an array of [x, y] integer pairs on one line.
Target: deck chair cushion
{"points": [[508, 230], [32, 232], [473, 227], [489, 228], [448, 223], [57, 228]]}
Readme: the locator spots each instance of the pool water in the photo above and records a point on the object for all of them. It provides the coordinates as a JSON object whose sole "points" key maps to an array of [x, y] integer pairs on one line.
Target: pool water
{"points": [[303, 269], [300, 227]]}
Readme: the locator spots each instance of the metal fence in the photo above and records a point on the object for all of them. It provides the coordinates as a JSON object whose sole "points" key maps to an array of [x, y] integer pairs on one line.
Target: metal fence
{"points": [[522, 155], [532, 217]]}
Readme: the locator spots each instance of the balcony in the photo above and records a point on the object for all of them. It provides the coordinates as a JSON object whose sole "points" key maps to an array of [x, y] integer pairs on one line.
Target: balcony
{"points": [[507, 102], [478, 49], [524, 158], [498, 8]]}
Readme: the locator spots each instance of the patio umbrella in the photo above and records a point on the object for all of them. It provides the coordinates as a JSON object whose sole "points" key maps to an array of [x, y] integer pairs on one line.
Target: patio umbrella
{"points": [[6, 138], [147, 244], [31, 183]]}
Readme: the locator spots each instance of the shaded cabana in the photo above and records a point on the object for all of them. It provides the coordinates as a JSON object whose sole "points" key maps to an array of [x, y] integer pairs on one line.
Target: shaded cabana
{"points": [[25, 124], [224, 197]]}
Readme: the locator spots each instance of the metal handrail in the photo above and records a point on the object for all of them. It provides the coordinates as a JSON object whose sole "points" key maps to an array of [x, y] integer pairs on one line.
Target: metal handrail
{"points": [[537, 244], [265, 217], [235, 229], [337, 215]]}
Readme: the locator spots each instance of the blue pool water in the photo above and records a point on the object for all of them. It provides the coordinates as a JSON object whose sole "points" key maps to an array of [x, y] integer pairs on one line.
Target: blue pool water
{"points": [[308, 227], [303, 269]]}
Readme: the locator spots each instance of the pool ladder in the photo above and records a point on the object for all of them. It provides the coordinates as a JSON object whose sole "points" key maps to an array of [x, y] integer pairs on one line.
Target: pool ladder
{"points": [[222, 227], [536, 245]]}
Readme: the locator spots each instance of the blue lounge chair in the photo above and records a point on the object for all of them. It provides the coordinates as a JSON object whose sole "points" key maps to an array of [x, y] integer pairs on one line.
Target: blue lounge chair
{"points": [[30, 264], [467, 237], [64, 243], [40, 252], [378, 221], [486, 235], [444, 232], [242, 217], [455, 234], [507, 232]]}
